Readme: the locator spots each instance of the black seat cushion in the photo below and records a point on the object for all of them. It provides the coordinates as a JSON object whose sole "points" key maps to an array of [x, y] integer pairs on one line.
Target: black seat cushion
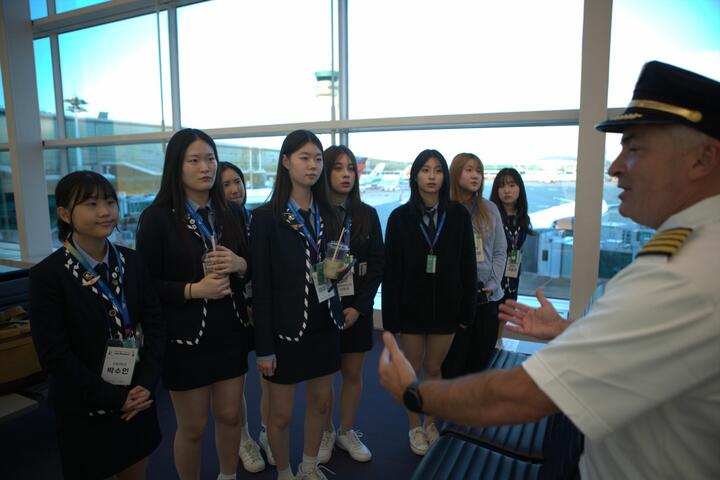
{"points": [[451, 457]]}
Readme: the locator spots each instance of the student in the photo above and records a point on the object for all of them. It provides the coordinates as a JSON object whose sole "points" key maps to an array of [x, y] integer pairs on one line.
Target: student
{"points": [[508, 194], [233, 182], [90, 300], [297, 337], [194, 247], [472, 350], [429, 282], [364, 237]]}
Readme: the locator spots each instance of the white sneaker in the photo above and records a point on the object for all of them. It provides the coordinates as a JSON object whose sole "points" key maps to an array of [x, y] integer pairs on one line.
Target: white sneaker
{"points": [[326, 446], [350, 442], [250, 456], [432, 434], [265, 445], [314, 474], [418, 441]]}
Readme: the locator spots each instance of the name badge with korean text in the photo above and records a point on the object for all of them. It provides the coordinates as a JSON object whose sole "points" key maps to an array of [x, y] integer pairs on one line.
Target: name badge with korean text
{"points": [[346, 287], [119, 365], [323, 289], [479, 252], [512, 269]]}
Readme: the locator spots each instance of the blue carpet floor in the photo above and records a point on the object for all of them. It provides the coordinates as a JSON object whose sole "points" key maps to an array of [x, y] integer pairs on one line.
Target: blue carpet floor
{"points": [[28, 449]]}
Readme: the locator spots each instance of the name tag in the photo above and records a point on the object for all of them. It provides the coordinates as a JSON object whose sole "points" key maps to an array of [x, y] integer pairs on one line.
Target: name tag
{"points": [[323, 289], [119, 365], [479, 252], [346, 287], [362, 269], [512, 268], [431, 264]]}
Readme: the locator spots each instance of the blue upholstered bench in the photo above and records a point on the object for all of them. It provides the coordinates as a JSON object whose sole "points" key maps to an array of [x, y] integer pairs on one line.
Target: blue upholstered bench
{"points": [[452, 457]]}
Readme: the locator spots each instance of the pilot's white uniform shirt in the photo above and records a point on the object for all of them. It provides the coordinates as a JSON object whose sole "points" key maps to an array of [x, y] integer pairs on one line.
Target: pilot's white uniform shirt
{"points": [[640, 374]]}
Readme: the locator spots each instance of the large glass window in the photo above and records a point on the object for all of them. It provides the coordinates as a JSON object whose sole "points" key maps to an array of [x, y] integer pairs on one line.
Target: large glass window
{"points": [[426, 57], [67, 5], [243, 63], [111, 78], [545, 157], [683, 33], [680, 33], [3, 117], [9, 242], [46, 88], [38, 9]]}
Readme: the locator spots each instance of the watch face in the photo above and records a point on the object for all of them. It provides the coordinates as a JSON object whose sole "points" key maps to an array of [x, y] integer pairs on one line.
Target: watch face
{"points": [[412, 399]]}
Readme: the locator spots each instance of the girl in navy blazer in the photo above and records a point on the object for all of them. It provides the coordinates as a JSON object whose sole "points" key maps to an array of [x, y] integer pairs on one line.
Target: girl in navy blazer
{"points": [[194, 247], [429, 281], [297, 337], [91, 300], [364, 237]]}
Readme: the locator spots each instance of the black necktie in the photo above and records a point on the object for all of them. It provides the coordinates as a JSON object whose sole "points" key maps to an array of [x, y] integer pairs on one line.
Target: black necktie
{"points": [[305, 214], [430, 214], [341, 212], [205, 215], [102, 270]]}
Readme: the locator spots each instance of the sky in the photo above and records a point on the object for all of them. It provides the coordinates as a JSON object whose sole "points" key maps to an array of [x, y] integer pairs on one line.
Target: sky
{"points": [[254, 63]]}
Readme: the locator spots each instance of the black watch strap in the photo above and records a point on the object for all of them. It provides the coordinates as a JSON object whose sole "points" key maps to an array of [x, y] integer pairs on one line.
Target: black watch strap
{"points": [[412, 399]]}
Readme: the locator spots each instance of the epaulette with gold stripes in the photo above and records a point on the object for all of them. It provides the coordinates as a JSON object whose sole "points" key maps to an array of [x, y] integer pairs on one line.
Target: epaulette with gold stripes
{"points": [[666, 243]]}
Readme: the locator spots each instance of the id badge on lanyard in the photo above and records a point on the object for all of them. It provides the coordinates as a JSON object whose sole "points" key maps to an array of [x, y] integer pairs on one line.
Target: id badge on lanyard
{"points": [[120, 359], [323, 288], [346, 287], [512, 269], [431, 259], [479, 250]]}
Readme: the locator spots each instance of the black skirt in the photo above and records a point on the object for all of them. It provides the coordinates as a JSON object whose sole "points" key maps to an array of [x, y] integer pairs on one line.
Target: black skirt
{"points": [[221, 353], [316, 354], [98, 447], [358, 338]]}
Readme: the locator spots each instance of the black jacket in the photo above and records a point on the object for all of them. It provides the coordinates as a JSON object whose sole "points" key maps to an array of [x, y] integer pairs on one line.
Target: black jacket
{"points": [[278, 259], [367, 249], [414, 301], [70, 330], [174, 258]]}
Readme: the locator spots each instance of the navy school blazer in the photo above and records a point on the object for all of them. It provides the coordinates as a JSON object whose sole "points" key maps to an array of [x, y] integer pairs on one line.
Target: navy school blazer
{"points": [[70, 331]]}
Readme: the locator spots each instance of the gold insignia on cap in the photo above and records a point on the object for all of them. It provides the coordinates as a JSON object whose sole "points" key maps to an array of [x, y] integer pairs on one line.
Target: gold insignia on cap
{"points": [[690, 115], [627, 116], [666, 243]]}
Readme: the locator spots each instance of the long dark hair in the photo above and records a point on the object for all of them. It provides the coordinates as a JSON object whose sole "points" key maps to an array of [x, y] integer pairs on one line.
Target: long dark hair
{"points": [[444, 193], [521, 205], [360, 211], [75, 188], [172, 190], [222, 166], [283, 184]]}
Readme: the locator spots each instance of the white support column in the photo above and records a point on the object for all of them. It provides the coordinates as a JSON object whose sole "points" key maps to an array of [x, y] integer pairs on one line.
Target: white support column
{"points": [[174, 67], [23, 120], [591, 152], [343, 67]]}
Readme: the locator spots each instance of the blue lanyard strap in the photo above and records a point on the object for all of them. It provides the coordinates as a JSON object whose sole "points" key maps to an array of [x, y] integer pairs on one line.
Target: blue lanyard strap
{"points": [[423, 229], [308, 234], [348, 226], [120, 306], [201, 225]]}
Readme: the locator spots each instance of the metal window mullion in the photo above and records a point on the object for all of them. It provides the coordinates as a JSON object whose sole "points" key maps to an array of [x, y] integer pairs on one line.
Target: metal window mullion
{"points": [[174, 67], [343, 67], [59, 99], [597, 24]]}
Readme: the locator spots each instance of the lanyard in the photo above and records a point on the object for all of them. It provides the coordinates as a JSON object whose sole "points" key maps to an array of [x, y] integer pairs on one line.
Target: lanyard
{"points": [[119, 306], [348, 225], [423, 229], [512, 236], [310, 237], [248, 215], [201, 225]]}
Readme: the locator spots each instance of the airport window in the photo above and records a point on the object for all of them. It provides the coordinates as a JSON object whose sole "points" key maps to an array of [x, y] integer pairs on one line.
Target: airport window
{"points": [[462, 56], [46, 91], [111, 78], [8, 222], [681, 33], [241, 63], [544, 156], [38, 9], [67, 5]]}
